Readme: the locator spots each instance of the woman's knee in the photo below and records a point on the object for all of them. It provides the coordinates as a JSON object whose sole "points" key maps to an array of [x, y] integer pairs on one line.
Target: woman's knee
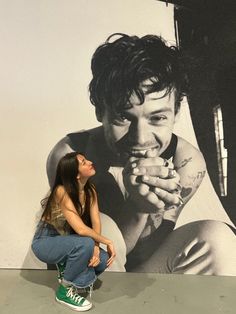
{"points": [[88, 243], [83, 244]]}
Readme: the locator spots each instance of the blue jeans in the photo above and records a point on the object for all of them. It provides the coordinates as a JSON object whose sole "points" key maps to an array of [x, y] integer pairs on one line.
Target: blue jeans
{"points": [[74, 250]]}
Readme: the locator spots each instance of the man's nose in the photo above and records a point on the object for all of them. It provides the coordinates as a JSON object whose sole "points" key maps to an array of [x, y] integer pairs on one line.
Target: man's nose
{"points": [[139, 133]]}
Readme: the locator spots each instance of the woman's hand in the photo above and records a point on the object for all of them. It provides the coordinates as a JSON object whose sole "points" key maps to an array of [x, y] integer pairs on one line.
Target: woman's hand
{"points": [[111, 252], [95, 260]]}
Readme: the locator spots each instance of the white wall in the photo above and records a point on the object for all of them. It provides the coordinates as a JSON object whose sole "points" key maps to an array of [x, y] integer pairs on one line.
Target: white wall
{"points": [[46, 48]]}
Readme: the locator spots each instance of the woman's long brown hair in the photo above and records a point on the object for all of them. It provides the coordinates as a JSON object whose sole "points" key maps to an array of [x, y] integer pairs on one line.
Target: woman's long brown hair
{"points": [[66, 175]]}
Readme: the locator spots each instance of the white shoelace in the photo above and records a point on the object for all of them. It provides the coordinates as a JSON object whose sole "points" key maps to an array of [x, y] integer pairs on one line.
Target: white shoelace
{"points": [[73, 295], [90, 290]]}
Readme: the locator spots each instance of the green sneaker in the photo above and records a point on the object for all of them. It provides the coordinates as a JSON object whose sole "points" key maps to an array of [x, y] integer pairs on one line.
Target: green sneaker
{"points": [[60, 271], [69, 296]]}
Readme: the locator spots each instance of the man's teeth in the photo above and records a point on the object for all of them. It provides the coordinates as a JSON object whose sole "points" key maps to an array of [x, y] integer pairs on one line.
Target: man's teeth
{"points": [[142, 152]]}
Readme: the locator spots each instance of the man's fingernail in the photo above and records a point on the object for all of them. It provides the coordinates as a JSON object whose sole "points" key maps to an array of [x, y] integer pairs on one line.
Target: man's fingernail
{"points": [[145, 178], [133, 165], [171, 173], [151, 153], [157, 190], [135, 170], [166, 162]]}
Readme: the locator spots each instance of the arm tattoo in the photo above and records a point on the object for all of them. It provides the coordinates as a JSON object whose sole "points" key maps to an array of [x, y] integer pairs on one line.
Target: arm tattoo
{"points": [[184, 163], [185, 192], [200, 175], [193, 184]]}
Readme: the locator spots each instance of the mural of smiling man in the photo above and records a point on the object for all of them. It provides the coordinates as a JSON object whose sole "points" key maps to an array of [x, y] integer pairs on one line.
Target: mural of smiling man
{"points": [[145, 174]]}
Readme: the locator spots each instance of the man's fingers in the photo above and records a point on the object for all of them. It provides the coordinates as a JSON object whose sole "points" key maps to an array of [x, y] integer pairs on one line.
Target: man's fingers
{"points": [[144, 191], [201, 249], [155, 171], [135, 162], [150, 162], [150, 196], [170, 185], [167, 197], [196, 260]]}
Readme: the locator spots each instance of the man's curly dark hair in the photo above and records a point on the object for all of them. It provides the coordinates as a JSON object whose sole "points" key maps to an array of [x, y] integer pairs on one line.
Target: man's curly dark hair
{"points": [[120, 66]]}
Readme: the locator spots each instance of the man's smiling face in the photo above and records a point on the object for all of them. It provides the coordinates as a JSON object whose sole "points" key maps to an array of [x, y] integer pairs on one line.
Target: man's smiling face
{"points": [[141, 127]]}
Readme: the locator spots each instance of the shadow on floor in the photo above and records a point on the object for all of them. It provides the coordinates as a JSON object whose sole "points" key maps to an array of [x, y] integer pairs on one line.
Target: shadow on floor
{"points": [[41, 277], [112, 285]]}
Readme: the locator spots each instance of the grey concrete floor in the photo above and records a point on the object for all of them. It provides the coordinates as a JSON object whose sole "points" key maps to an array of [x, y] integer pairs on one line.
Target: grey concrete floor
{"points": [[32, 292]]}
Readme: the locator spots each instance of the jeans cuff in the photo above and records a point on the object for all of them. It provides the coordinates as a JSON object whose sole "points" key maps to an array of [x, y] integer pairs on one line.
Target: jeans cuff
{"points": [[77, 285]]}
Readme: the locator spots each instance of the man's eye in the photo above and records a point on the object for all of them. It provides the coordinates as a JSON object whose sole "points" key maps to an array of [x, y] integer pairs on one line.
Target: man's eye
{"points": [[121, 119], [157, 119]]}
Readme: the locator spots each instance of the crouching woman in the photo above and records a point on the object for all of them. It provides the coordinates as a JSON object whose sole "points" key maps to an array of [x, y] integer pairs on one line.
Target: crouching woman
{"points": [[69, 231]]}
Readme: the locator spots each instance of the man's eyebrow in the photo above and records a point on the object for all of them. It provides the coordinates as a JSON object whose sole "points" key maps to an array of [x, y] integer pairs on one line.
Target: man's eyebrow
{"points": [[157, 94], [164, 109]]}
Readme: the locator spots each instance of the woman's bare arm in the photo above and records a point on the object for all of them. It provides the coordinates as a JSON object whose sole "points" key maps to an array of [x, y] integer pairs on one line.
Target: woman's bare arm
{"points": [[74, 220]]}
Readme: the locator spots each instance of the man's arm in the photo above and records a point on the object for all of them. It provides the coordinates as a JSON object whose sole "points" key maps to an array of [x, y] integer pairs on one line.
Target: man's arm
{"points": [[191, 167], [131, 222], [190, 164]]}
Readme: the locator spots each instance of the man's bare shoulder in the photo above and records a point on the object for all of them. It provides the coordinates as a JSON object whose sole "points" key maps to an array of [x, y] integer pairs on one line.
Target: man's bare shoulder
{"points": [[75, 141], [191, 167], [59, 150], [186, 152]]}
